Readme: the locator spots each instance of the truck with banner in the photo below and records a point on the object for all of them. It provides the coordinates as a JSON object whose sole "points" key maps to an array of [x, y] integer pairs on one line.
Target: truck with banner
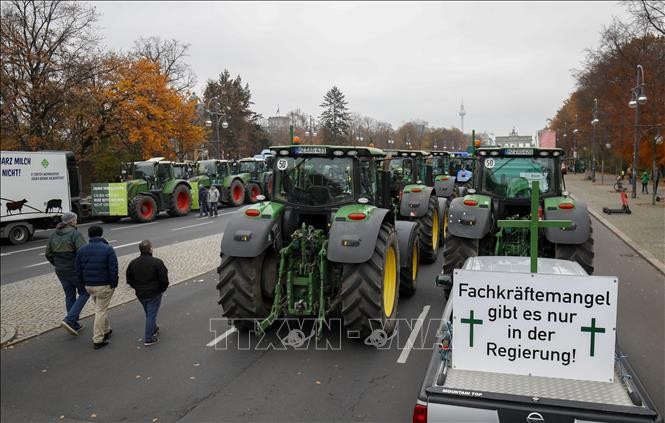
{"points": [[36, 188], [535, 342]]}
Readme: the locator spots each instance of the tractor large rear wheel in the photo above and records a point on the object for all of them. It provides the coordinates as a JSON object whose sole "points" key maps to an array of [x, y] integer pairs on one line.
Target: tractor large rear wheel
{"points": [[181, 201], [252, 190], [143, 208], [370, 290], [246, 286], [456, 250], [581, 253], [409, 274], [236, 193], [428, 228]]}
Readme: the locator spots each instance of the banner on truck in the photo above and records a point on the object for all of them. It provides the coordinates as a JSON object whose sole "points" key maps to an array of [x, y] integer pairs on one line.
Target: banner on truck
{"points": [[109, 199], [533, 324]]}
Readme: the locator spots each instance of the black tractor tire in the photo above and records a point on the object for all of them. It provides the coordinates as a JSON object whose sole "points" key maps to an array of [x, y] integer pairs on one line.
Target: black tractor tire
{"points": [[19, 234], [143, 209], [366, 288], [252, 190], [268, 187], [111, 219], [180, 202], [581, 253], [408, 275], [456, 250], [236, 193], [246, 286], [428, 232]]}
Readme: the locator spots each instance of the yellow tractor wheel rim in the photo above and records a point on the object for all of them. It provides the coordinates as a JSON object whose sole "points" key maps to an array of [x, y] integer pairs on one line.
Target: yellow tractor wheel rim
{"points": [[389, 281], [435, 231], [414, 263]]}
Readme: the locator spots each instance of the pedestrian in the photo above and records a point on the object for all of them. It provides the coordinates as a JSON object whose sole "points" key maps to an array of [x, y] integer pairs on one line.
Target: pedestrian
{"points": [[149, 278], [203, 201], [213, 199], [97, 269], [630, 175], [61, 253], [645, 182]]}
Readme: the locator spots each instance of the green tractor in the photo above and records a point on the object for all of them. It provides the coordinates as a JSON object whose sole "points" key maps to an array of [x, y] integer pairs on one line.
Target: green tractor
{"points": [[444, 182], [502, 191], [150, 187], [260, 179], [327, 243], [221, 173], [414, 198]]}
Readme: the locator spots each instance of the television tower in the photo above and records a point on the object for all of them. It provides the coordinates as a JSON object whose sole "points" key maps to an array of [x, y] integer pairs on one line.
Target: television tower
{"points": [[461, 114]]}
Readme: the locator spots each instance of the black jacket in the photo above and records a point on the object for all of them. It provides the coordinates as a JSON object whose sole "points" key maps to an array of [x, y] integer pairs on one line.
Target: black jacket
{"points": [[148, 276]]}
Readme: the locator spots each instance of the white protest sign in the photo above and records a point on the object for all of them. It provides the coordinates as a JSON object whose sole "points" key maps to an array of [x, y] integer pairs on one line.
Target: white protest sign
{"points": [[534, 324]]}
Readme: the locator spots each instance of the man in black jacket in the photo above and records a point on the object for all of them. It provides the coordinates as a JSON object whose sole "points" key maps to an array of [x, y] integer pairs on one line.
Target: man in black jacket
{"points": [[149, 278]]}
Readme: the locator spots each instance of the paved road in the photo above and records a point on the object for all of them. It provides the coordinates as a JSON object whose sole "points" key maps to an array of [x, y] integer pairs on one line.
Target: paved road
{"points": [[182, 379], [19, 262]]}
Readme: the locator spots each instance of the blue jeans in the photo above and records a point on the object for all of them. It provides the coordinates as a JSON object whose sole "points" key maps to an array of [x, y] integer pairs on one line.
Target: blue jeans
{"points": [[203, 209], [151, 308], [73, 304]]}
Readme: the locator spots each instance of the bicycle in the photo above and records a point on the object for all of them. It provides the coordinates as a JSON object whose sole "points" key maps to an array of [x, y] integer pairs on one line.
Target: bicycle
{"points": [[618, 185]]}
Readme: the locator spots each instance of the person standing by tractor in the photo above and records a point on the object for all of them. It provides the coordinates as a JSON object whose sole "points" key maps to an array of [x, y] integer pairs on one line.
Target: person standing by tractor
{"points": [[61, 252], [203, 201], [213, 200], [150, 278], [97, 269], [645, 182]]}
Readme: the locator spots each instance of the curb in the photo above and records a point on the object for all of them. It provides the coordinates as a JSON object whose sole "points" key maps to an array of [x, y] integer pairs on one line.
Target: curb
{"points": [[8, 333], [625, 238]]}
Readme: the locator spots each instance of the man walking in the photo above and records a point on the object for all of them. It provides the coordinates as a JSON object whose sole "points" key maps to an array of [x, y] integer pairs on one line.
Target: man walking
{"points": [[645, 182], [203, 201], [97, 269], [61, 252], [149, 278], [213, 198]]}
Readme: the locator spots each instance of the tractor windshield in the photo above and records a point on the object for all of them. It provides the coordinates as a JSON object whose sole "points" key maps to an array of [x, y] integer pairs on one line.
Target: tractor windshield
{"points": [[511, 177], [144, 170], [248, 167], [402, 170], [440, 165], [460, 163], [314, 181]]}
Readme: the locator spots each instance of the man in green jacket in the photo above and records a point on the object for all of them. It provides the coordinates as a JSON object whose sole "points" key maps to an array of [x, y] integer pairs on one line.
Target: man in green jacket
{"points": [[61, 252]]}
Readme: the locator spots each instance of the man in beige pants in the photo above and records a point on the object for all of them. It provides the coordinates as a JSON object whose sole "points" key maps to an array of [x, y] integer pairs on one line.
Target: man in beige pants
{"points": [[97, 269]]}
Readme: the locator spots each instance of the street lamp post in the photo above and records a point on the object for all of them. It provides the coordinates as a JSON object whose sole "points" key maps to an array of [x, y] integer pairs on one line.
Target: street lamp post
{"points": [[225, 125], [390, 143], [575, 144], [637, 99], [594, 123], [359, 139]]}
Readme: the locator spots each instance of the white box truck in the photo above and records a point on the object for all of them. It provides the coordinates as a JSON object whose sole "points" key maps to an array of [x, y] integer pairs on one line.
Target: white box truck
{"points": [[36, 188]]}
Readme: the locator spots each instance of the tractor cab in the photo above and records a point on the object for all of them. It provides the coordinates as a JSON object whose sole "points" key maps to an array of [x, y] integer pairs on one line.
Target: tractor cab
{"points": [[314, 181], [408, 167], [216, 170], [444, 181], [461, 164], [155, 171]]}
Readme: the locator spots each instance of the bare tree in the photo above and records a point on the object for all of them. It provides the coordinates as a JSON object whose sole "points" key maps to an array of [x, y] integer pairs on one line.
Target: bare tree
{"points": [[170, 55], [652, 12]]}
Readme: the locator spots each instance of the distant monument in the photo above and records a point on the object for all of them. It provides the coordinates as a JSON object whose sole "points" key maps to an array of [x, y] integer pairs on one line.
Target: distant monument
{"points": [[514, 140]]}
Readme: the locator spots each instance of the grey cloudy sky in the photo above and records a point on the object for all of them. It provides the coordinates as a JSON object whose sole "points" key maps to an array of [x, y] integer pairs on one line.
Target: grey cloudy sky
{"points": [[394, 61]]}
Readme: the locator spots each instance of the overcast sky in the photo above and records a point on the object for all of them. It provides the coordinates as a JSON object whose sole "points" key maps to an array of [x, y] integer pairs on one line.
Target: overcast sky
{"points": [[512, 62]]}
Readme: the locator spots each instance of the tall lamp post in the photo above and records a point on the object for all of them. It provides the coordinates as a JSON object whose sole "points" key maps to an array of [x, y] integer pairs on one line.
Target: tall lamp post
{"points": [[638, 98], [594, 123], [390, 143], [225, 125], [575, 131]]}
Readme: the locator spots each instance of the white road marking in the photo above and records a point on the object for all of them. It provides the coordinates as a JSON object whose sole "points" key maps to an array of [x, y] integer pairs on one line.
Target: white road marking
{"points": [[221, 337], [113, 240], [135, 226], [21, 251], [35, 265], [127, 245], [191, 226], [412, 338]]}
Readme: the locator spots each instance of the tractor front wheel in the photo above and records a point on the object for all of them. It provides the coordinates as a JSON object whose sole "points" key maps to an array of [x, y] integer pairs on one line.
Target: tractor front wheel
{"points": [[456, 250], [370, 290], [246, 286], [181, 201], [143, 208], [236, 193], [252, 190], [428, 228], [581, 253]]}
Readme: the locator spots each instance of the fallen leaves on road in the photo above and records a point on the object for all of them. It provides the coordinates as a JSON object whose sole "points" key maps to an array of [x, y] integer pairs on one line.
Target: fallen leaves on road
{"points": [[93, 416], [318, 382], [156, 419]]}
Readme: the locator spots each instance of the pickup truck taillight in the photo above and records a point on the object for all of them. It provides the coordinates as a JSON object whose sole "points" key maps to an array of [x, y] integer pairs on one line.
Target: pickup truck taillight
{"points": [[420, 414]]}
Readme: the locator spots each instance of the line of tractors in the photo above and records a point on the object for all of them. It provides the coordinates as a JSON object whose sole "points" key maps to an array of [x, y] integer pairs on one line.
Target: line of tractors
{"points": [[346, 228]]}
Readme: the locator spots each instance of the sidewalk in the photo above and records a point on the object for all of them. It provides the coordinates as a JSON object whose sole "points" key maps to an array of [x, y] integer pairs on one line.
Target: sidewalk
{"points": [[33, 306], [645, 226]]}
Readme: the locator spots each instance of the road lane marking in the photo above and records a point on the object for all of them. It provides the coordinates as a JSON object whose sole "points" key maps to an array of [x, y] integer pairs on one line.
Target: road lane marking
{"points": [[412, 338], [134, 226], [113, 240], [127, 245], [192, 226], [21, 251], [222, 337], [35, 265]]}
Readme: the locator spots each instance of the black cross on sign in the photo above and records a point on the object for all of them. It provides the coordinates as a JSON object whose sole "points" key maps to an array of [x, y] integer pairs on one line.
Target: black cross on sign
{"points": [[471, 321], [593, 330]]}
